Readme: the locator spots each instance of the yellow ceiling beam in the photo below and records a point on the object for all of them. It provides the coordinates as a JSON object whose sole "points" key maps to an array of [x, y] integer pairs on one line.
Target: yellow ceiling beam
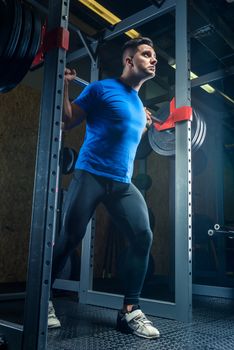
{"points": [[107, 15], [207, 87]]}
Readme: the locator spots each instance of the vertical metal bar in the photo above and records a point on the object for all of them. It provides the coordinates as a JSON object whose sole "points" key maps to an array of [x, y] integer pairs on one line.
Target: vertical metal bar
{"points": [[183, 185], [94, 74], [219, 199], [45, 199], [87, 252], [172, 226], [219, 173], [143, 170], [86, 269]]}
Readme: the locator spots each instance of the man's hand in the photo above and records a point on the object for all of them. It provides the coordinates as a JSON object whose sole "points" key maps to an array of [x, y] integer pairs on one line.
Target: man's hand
{"points": [[69, 75], [148, 118]]}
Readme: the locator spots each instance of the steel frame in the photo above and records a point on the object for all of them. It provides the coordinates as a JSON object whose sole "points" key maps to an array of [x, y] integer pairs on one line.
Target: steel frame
{"points": [[216, 75], [45, 203], [133, 21], [182, 308], [213, 291], [33, 334], [46, 195]]}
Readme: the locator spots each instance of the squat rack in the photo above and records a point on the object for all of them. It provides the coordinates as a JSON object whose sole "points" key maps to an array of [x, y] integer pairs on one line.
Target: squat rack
{"points": [[45, 207], [182, 307]]}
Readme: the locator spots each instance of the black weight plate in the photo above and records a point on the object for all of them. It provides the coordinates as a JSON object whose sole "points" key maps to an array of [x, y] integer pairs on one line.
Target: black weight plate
{"points": [[144, 148], [8, 62], [142, 181], [6, 23], [36, 38], [31, 50], [15, 65], [164, 112], [196, 128], [202, 139], [202, 133], [163, 142], [68, 160], [25, 35], [151, 218], [196, 141], [16, 28]]}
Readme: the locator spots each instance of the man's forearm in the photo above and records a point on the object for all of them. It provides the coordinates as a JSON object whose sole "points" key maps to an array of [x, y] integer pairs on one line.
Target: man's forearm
{"points": [[73, 115], [67, 108]]}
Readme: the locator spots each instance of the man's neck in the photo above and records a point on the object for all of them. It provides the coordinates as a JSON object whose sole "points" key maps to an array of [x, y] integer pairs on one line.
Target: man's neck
{"points": [[131, 81]]}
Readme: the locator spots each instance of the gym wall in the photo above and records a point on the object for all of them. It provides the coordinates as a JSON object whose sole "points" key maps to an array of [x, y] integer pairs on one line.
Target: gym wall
{"points": [[19, 120], [18, 135]]}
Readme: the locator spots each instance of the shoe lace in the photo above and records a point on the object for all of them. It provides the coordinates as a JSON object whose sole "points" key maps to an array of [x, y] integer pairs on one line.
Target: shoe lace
{"points": [[141, 318], [51, 310]]}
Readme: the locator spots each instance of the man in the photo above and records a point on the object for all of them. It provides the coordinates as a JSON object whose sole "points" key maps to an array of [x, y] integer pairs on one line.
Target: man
{"points": [[115, 120]]}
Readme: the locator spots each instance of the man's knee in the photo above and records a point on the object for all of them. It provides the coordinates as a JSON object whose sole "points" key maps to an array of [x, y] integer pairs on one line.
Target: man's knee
{"points": [[144, 241]]}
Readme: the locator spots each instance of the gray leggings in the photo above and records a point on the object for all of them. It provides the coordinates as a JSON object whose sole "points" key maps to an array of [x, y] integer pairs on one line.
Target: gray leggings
{"points": [[128, 210]]}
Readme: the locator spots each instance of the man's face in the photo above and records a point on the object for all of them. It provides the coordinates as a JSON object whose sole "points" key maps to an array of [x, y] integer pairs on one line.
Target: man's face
{"points": [[144, 62]]}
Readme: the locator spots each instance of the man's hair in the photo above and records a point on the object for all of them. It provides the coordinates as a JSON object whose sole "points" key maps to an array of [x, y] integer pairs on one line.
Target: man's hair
{"points": [[133, 44]]}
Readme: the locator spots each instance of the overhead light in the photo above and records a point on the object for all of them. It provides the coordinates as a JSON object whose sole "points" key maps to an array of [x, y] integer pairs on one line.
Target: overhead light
{"points": [[107, 15], [203, 31], [208, 88]]}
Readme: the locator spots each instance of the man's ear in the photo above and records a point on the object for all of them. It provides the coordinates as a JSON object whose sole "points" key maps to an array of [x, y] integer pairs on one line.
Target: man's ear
{"points": [[129, 60]]}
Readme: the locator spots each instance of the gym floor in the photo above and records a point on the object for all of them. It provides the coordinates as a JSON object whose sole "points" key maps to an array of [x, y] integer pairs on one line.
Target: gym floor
{"points": [[86, 327]]}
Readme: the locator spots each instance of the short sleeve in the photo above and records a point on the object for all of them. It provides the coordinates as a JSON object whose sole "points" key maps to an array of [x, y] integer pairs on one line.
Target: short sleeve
{"points": [[88, 98]]}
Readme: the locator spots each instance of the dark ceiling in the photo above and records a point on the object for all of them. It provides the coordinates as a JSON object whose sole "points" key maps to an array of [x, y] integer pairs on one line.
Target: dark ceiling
{"points": [[211, 27]]}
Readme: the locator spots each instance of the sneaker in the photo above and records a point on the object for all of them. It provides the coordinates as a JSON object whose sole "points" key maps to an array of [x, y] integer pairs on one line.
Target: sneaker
{"points": [[53, 321], [135, 322]]}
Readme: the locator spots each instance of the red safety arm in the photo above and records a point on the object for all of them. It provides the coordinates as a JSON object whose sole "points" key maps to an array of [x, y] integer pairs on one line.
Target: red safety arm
{"points": [[56, 38], [176, 115]]}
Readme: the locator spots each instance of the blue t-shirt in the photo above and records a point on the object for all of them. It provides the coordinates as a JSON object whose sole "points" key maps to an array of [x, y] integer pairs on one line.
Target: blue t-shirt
{"points": [[115, 122]]}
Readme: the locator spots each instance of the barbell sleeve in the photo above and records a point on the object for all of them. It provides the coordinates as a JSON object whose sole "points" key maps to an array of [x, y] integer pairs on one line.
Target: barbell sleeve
{"points": [[80, 81]]}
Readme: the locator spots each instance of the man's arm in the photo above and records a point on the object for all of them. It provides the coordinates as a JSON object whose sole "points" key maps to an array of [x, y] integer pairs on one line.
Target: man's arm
{"points": [[73, 115]]}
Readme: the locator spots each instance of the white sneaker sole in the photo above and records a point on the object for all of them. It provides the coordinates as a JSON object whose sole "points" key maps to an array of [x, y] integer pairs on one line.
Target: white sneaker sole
{"points": [[146, 336]]}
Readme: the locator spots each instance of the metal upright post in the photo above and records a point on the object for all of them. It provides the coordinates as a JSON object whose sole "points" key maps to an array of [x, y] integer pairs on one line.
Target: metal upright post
{"points": [[183, 184], [143, 170], [46, 185], [87, 252]]}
